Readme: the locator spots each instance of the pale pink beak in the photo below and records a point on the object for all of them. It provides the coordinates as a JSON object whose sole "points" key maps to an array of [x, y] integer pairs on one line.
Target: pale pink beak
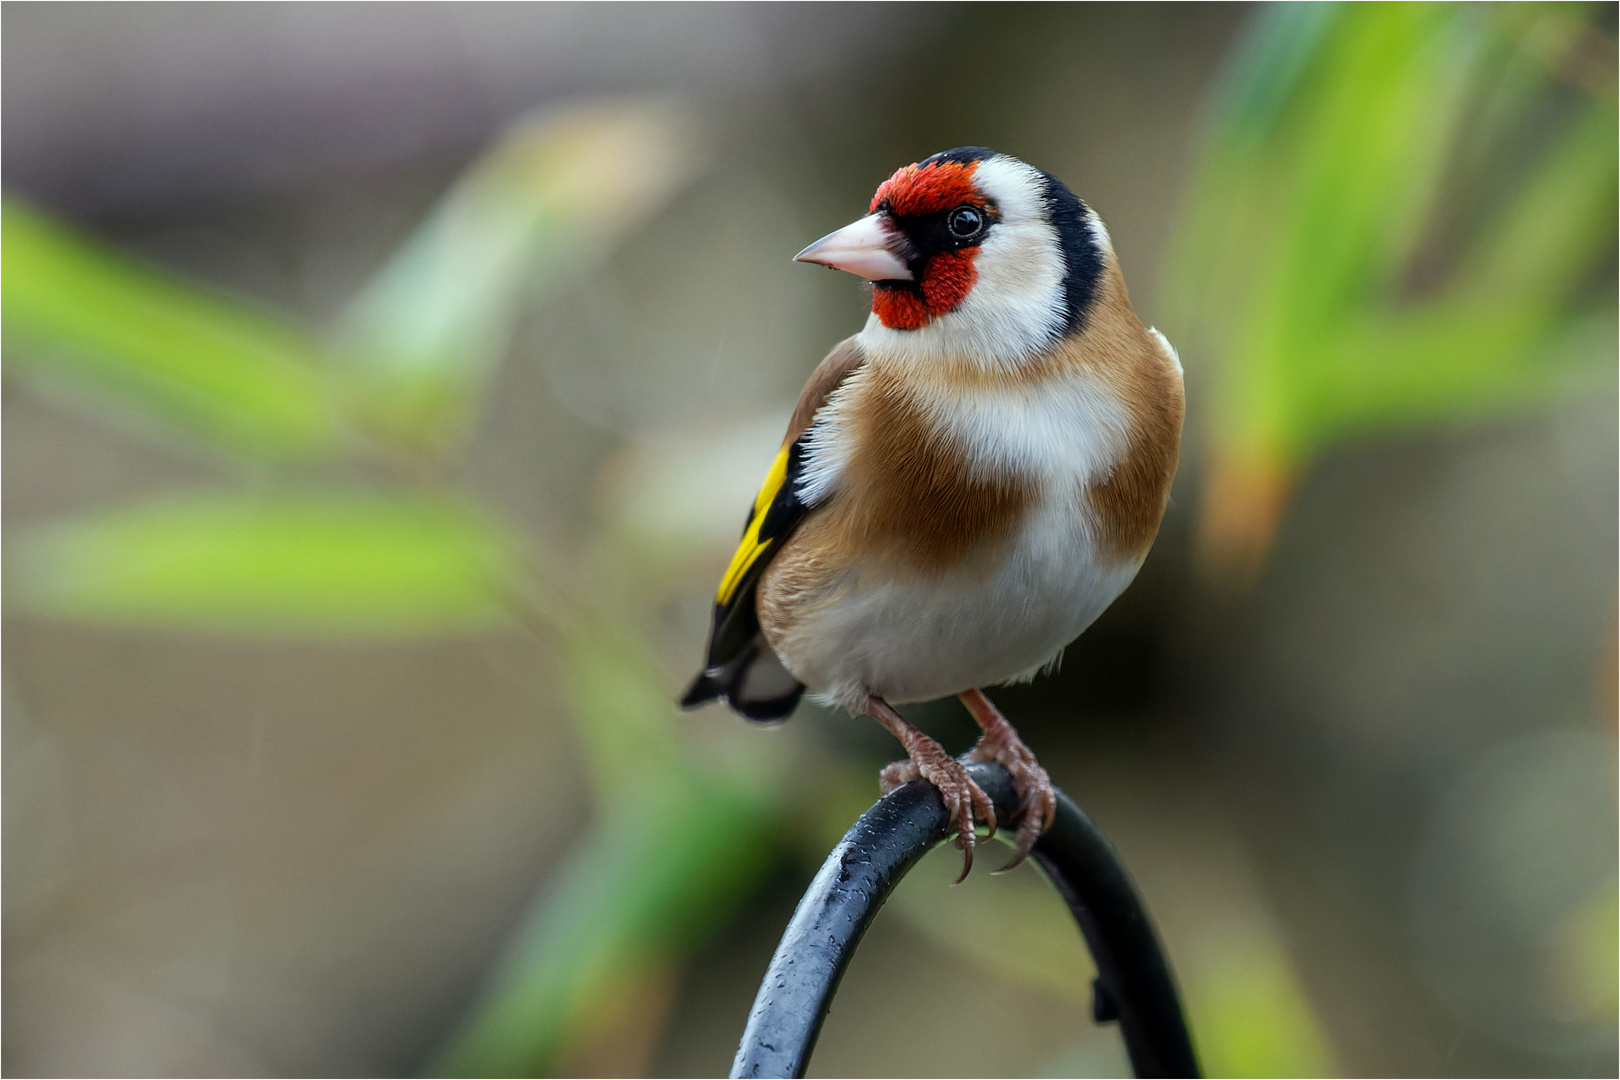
{"points": [[862, 248]]}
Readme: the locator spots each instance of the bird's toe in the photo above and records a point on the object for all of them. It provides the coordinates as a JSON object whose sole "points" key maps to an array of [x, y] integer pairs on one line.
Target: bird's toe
{"points": [[896, 774]]}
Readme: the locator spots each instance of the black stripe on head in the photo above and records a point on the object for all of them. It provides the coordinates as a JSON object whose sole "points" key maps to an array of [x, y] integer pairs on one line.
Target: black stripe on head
{"points": [[962, 155], [1082, 256]]}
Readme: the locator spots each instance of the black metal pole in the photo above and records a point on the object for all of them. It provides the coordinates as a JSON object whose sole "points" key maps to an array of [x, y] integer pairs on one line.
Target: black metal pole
{"points": [[1134, 984]]}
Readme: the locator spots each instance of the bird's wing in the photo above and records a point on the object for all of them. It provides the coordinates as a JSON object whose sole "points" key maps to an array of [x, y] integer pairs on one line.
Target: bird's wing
{"points": [[777, 510]]}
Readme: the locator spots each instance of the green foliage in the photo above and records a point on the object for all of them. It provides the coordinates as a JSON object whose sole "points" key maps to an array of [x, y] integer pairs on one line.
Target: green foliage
{"points": [[679, 840], [539, 209], [1249, 1013], [544, 203], [1403, 216], [665, 865], [679, 837], [142, 343], [1342, 268], [1350, 260], [315, 565]]}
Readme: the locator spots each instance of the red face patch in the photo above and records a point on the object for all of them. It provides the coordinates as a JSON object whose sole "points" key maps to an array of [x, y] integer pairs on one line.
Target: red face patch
{"points": [[949, 276], [945, 283], [928, 189]]}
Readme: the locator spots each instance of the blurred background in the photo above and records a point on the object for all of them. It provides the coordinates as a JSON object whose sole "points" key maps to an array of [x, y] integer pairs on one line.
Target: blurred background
{"points": [[384, 385]]}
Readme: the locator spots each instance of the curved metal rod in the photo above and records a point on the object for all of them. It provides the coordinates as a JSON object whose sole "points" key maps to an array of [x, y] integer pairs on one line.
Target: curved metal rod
{"points": [[1133, 984]]}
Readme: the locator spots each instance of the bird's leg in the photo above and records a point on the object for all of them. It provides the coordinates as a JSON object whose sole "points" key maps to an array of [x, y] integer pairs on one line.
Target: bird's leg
{"points": [[1000, 743], [927, 759]]}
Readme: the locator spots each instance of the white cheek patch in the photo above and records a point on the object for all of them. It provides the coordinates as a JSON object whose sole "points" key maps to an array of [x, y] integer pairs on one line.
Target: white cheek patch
{"points": [[1015, 308]]}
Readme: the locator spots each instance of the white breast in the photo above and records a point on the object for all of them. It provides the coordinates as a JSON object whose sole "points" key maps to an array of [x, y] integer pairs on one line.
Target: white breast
{"points": [[1069, 428]]}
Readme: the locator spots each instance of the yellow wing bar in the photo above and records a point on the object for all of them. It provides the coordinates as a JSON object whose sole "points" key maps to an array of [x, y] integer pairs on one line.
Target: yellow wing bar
{"points": [[752, 547]]}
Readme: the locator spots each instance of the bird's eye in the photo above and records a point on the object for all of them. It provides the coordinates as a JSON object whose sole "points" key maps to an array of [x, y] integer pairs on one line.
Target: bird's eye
{"points": [[965, 221]]}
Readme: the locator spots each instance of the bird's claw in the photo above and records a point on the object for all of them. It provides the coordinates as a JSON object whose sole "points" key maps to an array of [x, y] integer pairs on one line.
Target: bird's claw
{"points": [[1037, 799], [964, 799]]}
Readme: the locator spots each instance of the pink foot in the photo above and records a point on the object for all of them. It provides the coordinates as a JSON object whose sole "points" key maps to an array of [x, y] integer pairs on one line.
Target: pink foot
{"points": [[1001, 744], [927, 759]]}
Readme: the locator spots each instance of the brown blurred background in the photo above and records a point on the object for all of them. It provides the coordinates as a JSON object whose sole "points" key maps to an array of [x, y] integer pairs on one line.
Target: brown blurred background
{"points": [[1369, 794]]}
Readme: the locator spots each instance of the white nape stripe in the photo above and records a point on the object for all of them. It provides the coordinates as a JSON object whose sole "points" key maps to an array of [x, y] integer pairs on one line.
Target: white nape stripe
{"points": [[1099, 231]]}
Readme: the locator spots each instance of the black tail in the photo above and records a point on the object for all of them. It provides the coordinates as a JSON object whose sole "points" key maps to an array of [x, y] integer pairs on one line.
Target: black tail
{"points": [[755, 684]]}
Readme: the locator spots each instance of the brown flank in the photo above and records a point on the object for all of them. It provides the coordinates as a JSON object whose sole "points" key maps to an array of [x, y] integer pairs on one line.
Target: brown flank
{"points": [[1131, 502]]}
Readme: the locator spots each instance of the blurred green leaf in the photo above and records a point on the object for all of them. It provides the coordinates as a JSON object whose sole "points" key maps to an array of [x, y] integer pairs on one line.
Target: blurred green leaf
{"points": [[1581, 967], [636, 891], [1344, 267], [680, 838], [676, 845], [1329, 200], [1266, 67], [539, 209], [322, 565], [1561, 222], [143, 342], [1249, 1012]]}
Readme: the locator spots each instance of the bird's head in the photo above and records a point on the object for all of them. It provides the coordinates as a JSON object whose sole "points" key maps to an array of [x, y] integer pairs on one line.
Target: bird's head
{"points": [[972, 253]]}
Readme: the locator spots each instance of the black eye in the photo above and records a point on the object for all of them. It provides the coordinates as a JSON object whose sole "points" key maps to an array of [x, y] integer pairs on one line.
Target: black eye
{"points": [[965, 221]]}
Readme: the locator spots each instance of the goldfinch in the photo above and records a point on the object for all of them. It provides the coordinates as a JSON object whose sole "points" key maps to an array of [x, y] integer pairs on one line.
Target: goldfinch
{"points": [[965, 485]]}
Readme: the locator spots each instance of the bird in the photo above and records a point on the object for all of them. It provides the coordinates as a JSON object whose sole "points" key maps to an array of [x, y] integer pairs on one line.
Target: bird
{"points": [[965, 484]]}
